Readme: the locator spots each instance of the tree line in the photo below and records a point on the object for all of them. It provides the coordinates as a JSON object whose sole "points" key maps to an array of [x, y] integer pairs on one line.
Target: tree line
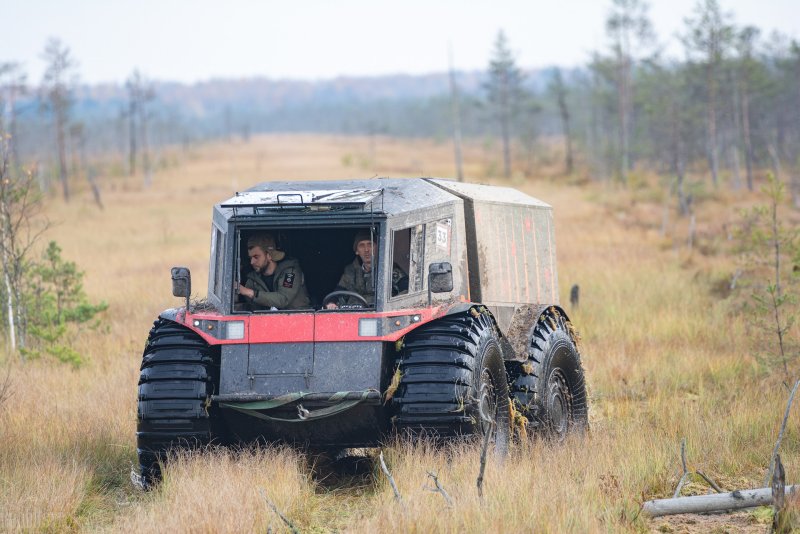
{"points": [[44, 135], [729, 106]]}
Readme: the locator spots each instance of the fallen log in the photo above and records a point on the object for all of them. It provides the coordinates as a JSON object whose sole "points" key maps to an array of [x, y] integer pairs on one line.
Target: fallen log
{"points": [[718, 502]]}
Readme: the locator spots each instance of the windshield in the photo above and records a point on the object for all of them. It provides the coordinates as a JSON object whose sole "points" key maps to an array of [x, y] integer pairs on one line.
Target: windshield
{"points": [[283, 269]]}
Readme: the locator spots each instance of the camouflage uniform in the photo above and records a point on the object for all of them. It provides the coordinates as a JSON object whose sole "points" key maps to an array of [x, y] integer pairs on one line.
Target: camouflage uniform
{"points": [[288, 290], [356, 279]]}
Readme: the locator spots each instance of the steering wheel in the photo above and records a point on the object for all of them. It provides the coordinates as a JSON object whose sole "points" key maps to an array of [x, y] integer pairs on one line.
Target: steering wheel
{"points": [[330, 297]]}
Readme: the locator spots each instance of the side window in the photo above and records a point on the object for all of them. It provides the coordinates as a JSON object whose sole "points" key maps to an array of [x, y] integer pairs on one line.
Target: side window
{"points": [[218, 245], [407, 260]]}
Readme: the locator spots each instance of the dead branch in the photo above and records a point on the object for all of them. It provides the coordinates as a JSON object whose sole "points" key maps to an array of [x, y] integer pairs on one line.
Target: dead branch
{"points": [[391, 478], [780, 434], [95, 188], [717, 502], [486, 434], [683, 454], [278, 513], [685, 475], [680, 485], [778, 483], [778, 493], [439, 489], [710, 482]]}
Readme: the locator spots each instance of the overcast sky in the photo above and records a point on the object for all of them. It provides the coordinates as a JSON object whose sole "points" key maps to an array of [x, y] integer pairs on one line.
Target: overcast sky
{"points": [[194, 40]]}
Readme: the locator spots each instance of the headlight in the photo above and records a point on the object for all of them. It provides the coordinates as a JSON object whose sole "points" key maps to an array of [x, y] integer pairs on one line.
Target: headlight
{"points": [[234, 330], [368, 327]]}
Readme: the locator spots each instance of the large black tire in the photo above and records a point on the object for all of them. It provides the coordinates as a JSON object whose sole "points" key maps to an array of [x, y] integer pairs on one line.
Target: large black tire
{"points": [[549, 389], [449, 368], [179, 373]]}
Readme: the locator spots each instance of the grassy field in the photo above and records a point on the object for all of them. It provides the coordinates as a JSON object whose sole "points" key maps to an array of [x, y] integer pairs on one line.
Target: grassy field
{"points": [[665, 360]]}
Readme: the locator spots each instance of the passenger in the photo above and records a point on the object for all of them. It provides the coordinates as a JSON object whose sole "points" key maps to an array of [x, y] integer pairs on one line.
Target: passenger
{"points": [[357, 276], [275, 281]]}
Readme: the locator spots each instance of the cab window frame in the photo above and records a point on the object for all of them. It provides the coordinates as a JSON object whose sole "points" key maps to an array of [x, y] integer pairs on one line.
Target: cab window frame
{"points": [[413, 265]]}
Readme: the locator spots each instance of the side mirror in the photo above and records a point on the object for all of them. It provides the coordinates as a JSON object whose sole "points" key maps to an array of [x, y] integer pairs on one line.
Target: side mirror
{"points": [[182, 283], [440, 278]]}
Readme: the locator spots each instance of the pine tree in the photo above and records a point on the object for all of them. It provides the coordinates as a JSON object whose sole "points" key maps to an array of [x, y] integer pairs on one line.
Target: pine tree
{"points": [[505, 93]]}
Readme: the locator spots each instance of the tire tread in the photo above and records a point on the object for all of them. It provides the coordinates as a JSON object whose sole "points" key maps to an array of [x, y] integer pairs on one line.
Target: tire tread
{"points": [[176, 382]]}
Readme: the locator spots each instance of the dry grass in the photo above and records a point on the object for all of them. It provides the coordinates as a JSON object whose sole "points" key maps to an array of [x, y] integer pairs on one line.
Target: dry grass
{"points": [[664, 358]]}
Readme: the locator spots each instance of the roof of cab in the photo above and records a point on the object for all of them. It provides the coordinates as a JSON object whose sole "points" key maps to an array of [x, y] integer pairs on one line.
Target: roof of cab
{"points": [[388, 196]]}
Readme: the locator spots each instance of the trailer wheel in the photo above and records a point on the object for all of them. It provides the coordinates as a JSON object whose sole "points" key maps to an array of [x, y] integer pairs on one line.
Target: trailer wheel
{"points": [[179, 373], [452, 371], [549, 389]]}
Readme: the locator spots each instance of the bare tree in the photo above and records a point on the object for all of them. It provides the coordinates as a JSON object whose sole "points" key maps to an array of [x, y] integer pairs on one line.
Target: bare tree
{"points": [[56, 93], [559, 91], [745, 43], [709, 37], [132, 85], [794, 67], [505, 93], [146, 96], [630, 29], [602, 110], [11, 302], [454, 103], [120, 128], [140, 94], [678, 122], [20, 205], [13, 84], [80, 162]]}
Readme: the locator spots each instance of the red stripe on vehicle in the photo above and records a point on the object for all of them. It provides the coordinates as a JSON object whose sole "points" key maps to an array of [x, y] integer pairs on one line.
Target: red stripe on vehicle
{"points": [[293, 327]]}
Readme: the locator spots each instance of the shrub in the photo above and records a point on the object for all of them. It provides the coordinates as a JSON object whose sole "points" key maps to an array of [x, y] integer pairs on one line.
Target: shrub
{"points": [[56, 306]]}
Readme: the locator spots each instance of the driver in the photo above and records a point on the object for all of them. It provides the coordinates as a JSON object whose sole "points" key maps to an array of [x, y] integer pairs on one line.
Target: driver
{"points": [[358, 275], [276, 281]]}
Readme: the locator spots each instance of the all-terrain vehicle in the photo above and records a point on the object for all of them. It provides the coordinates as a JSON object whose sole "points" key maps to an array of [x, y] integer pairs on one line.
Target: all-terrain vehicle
{"points": [[476, 339]]}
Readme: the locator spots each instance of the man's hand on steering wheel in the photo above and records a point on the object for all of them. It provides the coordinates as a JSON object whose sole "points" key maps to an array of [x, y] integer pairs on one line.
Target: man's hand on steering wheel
{"points": [[329, 304]]}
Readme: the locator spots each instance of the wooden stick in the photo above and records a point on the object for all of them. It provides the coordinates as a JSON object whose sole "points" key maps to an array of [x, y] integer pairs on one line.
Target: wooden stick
{"points": [[485, 447], [780, 434], [440, 489], [778, 494], [687, 474], [710, 482], [712, 503], [683, 455], [390, 477], [680, 485], [283, 517], [685, 470]]}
